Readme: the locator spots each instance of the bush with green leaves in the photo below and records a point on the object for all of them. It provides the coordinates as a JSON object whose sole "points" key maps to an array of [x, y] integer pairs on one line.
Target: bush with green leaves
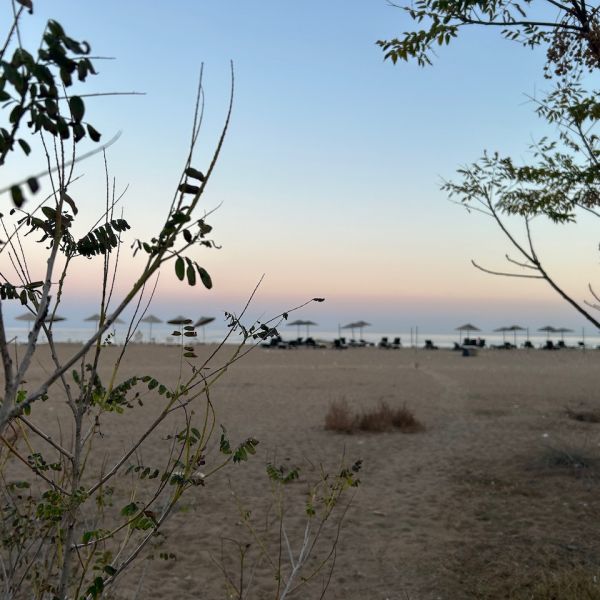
{"points": [[65, 533], [563, 179]]}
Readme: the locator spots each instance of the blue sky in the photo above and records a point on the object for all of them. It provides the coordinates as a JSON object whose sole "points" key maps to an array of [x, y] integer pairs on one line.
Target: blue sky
{"points": [[329, 179]]}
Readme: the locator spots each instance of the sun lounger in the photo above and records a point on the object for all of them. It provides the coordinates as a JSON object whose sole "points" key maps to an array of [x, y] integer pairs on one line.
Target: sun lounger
{"points": [[430, 346], [384, 343], [397, 343]]}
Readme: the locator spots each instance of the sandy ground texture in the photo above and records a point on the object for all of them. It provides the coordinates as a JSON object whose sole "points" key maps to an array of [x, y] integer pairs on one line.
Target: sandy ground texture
{"points": [[496, 498]]}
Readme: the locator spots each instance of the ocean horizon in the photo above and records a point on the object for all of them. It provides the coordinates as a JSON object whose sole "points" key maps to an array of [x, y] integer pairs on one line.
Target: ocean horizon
{"points": [[409, 338]]}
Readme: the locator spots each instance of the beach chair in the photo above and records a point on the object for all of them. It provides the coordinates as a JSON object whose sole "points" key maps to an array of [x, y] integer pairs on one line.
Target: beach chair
{"points": [[339, 344], [397, 343], [430, 346], [272, 343], [384, 343], [527, 344], [549, 345], [457, 346]]}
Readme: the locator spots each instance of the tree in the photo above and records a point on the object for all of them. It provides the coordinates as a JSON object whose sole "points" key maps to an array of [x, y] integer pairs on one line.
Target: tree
{"points": [[565, 176], [64, 530]]}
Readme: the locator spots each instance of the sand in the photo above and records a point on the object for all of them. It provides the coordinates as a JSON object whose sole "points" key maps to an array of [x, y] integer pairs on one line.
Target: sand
{"points": [[497, 493]]}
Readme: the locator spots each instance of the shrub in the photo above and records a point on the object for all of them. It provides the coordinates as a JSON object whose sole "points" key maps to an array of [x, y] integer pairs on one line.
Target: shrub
{"points": [[585, 416], [340, 418]]}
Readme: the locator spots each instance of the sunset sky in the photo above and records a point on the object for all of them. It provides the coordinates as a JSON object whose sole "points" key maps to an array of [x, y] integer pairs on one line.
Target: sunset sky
{"points": [[329, 178]]}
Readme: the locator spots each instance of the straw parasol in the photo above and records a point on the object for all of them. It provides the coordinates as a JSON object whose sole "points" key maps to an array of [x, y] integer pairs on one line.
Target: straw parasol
{"points": [[468, 327], [181, 321], [361, 324], [548, 329], [514, 329], [308, 325], [26, 317], [300, 322], [351, 326], [297, 323], [562, 331], [202, 322], [151, 319], [30, 318], [96, 318], [503, 330]]}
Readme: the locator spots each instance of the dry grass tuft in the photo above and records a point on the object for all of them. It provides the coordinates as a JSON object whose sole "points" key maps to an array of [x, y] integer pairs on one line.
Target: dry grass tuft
{"points": [[585, 416], [570, 459], [340, 418], [573, 584]]}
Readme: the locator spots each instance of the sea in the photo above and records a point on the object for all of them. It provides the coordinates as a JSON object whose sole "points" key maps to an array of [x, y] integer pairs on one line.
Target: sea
{"points": [[413, 337]]}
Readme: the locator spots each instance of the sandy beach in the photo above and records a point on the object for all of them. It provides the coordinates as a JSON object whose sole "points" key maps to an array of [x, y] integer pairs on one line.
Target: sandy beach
{"points": [[497, 494]]}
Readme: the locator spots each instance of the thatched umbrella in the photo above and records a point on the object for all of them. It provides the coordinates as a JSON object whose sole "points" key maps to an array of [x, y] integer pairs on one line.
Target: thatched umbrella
{"points": [[468, 327], [309, 324], [297, 323], [96, 318], [181, 321], [351, 326], [548, 329], [562, 331], [514, 329], [360, 325], [31, 317], [202, 322], [503, 330], [151, 319]]}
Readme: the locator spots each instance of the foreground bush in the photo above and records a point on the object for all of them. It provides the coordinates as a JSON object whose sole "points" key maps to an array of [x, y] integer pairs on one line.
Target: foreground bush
{"points": [[340, 418]]}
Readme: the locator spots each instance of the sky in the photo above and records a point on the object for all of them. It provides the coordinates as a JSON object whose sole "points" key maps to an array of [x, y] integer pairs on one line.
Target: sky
{"points": [[328, 183]]}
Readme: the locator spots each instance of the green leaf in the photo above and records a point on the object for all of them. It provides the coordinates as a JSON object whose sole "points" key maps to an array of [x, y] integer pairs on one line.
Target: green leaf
{"points": [[191, 172], [24, 145], [94, 135], [17, 196], [191, 275], [204, 277], [180, 268], [186, 188], [77, 108], [110, 570], [129, 510], [33, 185]]}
